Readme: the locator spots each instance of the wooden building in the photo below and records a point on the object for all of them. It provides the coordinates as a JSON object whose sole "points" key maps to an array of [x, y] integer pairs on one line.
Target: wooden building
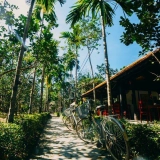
{"points": [[138, 81]]}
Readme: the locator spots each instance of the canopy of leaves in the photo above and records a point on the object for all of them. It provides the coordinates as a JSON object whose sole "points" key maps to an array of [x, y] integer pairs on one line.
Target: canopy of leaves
{"points": [[85, 82], [146, 32], [101, 71], [83, 8]]}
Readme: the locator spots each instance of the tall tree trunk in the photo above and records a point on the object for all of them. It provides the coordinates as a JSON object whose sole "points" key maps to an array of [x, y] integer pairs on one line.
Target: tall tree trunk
{"points": [[46, 102], [48, 99], [10, 117], [42, 84], [75, 93], [43, 69], [94, 92], [32, 91], [70, 88], [47, 90], [109, 95]]}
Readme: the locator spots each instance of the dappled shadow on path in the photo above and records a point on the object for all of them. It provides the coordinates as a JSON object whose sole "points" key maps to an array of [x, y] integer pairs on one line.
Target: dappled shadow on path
{"points": [[58, 143]]}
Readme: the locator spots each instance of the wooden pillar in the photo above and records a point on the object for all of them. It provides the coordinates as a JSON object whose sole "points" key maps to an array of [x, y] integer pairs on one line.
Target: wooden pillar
{"points": [[122, 97], [134, 107]]}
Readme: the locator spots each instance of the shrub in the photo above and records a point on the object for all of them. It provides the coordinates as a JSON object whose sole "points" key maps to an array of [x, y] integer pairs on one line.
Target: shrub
{"points": [[11, 141], [32, 126], [18, 139], [144, 139]]}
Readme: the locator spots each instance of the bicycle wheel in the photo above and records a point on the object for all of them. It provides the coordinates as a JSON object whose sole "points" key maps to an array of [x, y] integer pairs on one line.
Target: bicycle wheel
{"points": [[115, 139], [86, 130], [69, 122]]}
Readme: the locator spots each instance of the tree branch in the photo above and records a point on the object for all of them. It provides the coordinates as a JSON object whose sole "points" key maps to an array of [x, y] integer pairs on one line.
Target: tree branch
{"points": [[29, 67], [155, 57]]}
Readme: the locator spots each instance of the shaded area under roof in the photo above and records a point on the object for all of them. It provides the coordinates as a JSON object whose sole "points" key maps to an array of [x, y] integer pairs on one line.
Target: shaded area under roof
{"points": [[147, 68]]}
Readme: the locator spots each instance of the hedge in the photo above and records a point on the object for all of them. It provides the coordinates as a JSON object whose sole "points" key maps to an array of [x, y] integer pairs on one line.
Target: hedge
{"points": [[18, 139], [144, 140], [11, 141]]}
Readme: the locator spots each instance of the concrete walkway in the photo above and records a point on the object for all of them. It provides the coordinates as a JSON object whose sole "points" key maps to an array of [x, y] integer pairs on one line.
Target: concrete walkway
{"points": [[58, 143]]}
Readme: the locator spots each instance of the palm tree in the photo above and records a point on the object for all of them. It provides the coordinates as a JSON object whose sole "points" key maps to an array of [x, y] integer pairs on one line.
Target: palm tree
{"points": [[74, 41], [102, 8], [47, 4], [68, 62], [40, 12], [91, 33]]}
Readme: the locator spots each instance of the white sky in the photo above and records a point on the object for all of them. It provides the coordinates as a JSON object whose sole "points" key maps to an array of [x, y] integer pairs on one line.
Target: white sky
{"points": [[119, 54]]}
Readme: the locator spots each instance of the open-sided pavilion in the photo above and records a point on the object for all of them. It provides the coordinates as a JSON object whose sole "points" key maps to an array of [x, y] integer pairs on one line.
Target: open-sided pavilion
{"points": [[136, 83]]}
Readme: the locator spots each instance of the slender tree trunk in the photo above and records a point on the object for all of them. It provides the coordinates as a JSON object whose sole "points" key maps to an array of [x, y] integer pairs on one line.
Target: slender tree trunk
{"points": [[43, 69], [47, 90], [48, 96], [106, 63], [76, 74], [70, 88], [46, 103], [42, 84], [10, 117], [32, 91], [94, 92]]}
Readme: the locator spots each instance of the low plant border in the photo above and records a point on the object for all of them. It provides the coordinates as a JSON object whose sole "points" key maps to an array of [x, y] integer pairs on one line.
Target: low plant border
{"points": [[18, 139]]}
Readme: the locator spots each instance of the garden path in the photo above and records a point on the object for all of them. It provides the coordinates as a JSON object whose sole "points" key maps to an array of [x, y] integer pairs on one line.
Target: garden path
{"points": [[58, 143]]}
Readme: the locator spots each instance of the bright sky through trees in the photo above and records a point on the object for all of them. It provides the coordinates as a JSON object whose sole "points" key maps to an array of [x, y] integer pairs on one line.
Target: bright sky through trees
{"points": [[119, 54]]}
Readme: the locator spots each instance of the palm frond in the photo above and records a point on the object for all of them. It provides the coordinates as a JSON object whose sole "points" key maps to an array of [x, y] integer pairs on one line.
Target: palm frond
{"points": [[49, 4], [108, 14], [62, 1], [78, 11], [83, 8], [126, 6], [65, 35]]}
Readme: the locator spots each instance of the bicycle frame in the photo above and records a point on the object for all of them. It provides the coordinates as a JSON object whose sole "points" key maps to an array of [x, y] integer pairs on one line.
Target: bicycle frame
{"points": [[101, 127], [98, 128], [73, 117], [109, 133]]}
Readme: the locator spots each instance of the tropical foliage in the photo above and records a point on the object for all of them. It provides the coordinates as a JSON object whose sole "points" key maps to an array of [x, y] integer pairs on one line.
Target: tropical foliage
{"points": [[105, 11], [139, 134], [35, 79], [146, 31], [18, 139]]}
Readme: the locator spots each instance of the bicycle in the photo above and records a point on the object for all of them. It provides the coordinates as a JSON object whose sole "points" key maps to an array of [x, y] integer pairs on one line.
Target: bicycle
{"points": [[107, 132], [71, 118]]}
